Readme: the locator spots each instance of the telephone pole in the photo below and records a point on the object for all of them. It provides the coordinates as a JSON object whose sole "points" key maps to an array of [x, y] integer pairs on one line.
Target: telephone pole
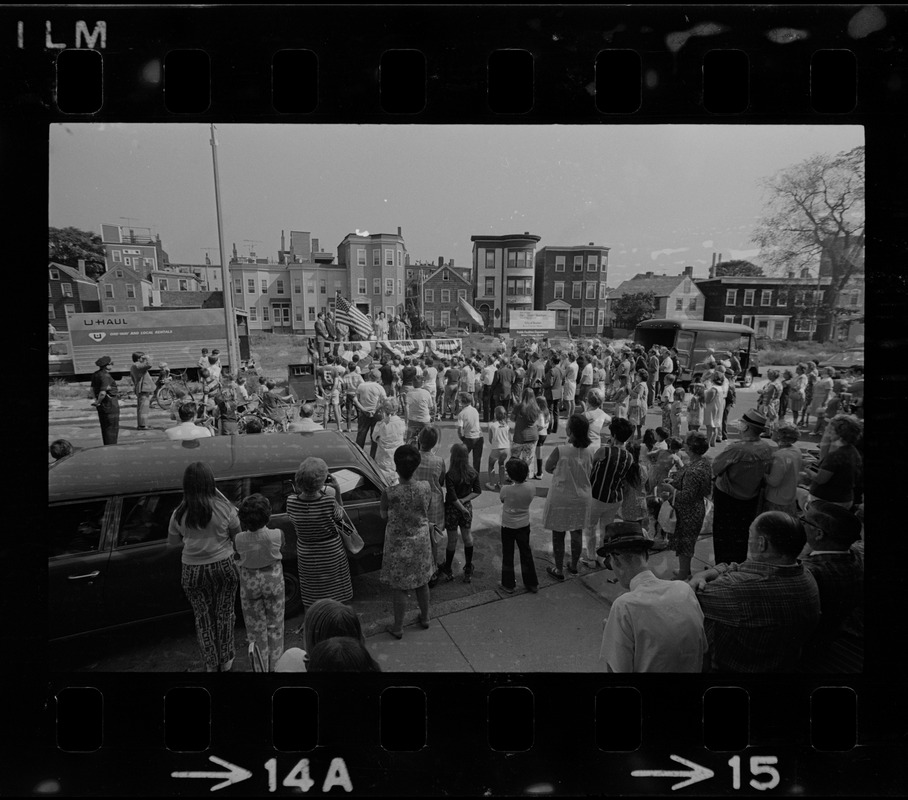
{"points": [[233, 349]]}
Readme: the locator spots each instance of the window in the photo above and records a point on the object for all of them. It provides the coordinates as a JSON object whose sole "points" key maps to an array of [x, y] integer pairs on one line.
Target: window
{"points": [[575, 316], [430, 295], [603, 291], [805, 325], [51, 314], [559, 263], [389, 258], [747, 320], [131, 308], [389, 286], [559, 290], [766, 297], [76, 527], [400, 258], [430, 318], [445, 276], [817, 297], [361, 257], [116, 255], [445, 295], [855, 299], [409, 274], [280, 286], [310, 313], [361, 285], [679, 304], [376, 286], [605, 263], [561, 319], [130, 289], [264, 313], [69, 309], [376, 257], [50, 290], [149, 262], [462, 294], [657, 301], [589, 317], [782, 299], [297, 286], [128, 262], [592, 264], [162, 285], [111, 309], [749, 297], [590, 290], [576, 290], [730, 318], [400, 286], [250, 286], [600, 319], [264, 286], [578, 263], [299, 314], [490, 259], [445, 319], [731, 297], [237, 285], [692, 304], [310, 286], [184, 285], [520, 286], [67, 289], [54, 274], [323, 286], [490, 287], [253, 314], [389, 311], [108, 292]]}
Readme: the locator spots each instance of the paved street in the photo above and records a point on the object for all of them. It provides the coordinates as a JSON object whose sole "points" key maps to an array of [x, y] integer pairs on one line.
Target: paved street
{"points": [[475, 626]]}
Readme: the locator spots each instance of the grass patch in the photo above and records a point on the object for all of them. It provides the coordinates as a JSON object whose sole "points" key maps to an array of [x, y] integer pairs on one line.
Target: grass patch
{"points": [[60, 389], [786, 354]]}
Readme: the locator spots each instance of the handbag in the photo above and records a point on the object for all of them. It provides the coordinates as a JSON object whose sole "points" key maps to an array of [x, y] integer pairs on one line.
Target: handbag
{"points": [[352, 540], [667, 517], [435, 535]]}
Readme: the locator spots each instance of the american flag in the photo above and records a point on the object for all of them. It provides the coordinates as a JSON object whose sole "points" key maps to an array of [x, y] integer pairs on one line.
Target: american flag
{"points": [[348, 314]]}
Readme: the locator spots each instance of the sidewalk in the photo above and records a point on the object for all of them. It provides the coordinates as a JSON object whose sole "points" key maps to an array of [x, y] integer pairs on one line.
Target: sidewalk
{"points": [[557, 630]]}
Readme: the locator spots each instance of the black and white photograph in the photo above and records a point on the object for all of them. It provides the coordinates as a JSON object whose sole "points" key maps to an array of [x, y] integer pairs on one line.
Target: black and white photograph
{"points": [[456, 398]]}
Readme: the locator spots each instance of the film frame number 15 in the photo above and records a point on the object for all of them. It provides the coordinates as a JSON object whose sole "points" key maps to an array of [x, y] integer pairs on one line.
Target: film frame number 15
{"points": [[759, 766]]}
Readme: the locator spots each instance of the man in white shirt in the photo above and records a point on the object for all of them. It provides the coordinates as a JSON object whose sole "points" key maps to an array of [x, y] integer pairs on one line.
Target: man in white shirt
{"points": [[657, 626], [488, 376], [469, 431], [429, 378], [305, 423], [369, 396], [420, 406], [187, 429]]}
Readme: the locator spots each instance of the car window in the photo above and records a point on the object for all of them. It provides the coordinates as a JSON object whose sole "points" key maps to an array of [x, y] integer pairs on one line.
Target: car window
{"points": [[275, 488], [145, 518], [355, 486], [684, 344], [76, 527]]}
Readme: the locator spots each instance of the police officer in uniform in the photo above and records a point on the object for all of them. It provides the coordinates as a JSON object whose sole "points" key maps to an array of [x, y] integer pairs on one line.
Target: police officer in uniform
{"points": [[106, 393]]}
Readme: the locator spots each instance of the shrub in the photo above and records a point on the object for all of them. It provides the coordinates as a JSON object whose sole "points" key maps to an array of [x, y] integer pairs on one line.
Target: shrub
{"points": [[59, 389]]}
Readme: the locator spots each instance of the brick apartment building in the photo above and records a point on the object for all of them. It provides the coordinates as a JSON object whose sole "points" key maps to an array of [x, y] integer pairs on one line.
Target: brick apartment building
{"points": [[503, 276], [571, 281]]}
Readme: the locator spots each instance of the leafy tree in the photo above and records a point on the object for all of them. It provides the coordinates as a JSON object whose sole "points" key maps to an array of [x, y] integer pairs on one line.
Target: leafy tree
{"points": [[738, 269], [67, 245], [813, 217], [630, 309]]}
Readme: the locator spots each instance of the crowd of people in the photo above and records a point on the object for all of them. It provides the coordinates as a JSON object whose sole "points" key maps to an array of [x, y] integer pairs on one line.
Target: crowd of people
{"points": [[787, 528]]}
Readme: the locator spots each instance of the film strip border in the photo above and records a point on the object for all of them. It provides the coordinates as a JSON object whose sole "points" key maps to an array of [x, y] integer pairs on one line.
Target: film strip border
{"points": [[458, 64], [440, 734]]}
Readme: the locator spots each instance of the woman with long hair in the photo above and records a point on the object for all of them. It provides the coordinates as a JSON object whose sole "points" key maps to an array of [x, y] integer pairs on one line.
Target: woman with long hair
{"points": [[206, 523], [567, 505], [526, 433], [461, 487]]}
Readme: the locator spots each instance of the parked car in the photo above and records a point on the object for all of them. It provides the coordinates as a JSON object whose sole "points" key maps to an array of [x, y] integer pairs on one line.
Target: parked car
{"points": [[109, 508], [852, 357]]}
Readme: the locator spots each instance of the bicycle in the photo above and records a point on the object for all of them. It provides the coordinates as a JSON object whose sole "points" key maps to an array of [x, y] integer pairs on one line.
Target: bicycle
{"points": [[323, 409], [287, 410], [175, 388]]}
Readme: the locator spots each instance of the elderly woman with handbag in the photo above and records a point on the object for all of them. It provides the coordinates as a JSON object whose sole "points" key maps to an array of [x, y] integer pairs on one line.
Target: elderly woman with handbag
{"points": [[317, 514], [407, 562]]}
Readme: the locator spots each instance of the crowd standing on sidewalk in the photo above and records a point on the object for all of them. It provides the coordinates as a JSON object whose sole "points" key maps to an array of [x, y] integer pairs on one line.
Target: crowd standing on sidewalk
{"points": [[787, 529]]}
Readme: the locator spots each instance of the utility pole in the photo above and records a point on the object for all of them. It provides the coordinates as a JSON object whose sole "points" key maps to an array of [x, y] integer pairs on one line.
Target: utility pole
{"points": [[233, 349]]}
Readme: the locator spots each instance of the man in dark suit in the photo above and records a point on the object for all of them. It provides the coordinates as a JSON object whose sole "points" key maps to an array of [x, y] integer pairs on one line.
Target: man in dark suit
{"points": [[502, 385], [321, 336]]}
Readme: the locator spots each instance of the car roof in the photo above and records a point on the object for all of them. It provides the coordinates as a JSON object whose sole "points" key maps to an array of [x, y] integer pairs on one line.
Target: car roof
{"points": [[133, 468], [695, 325]]}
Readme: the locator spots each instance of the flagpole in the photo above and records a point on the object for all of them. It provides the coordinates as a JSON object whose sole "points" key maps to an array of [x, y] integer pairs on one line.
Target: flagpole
{"points": [[233, 350]]}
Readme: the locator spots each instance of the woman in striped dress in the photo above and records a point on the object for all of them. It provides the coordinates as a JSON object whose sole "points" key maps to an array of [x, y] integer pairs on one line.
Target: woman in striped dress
{"points": [[321, 557]]}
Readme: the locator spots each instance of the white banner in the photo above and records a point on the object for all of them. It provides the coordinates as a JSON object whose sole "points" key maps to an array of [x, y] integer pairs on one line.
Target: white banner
{"points": [[531, 320]]}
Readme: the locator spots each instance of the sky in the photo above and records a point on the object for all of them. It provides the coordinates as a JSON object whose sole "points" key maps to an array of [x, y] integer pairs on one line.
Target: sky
{"points": [[661, 197]]}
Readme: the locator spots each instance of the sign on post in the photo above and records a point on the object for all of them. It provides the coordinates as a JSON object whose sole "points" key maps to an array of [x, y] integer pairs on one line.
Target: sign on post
{"points": [[531, 320]]}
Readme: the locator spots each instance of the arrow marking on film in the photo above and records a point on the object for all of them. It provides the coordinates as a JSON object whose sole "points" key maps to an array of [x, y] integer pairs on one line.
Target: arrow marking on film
{"points": [[695, 774], [235, 774]]}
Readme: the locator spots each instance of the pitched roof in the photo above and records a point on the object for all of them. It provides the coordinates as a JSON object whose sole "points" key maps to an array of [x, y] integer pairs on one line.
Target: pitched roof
{"points": [[73, 273], [128, 271], [453, 271], [661, 286]]}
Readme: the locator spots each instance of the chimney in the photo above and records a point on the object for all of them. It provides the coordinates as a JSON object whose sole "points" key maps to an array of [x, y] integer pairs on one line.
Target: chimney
{"points": [[282, 241], [315, 246], [82, 268], [719, 259], [592, 245], [689, 271], [441, 261], [712, 269], [649, 274], [398, 231], [234, 251], [791, 273]]}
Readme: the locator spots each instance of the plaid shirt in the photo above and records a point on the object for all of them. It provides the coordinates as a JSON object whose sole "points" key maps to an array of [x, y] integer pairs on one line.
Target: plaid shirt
{"points": [[840, 579], [759, 616]]}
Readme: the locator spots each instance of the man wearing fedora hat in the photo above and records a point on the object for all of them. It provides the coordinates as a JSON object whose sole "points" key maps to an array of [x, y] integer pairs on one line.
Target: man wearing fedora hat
{"points": [[104, 388], [740, 473], [657, 626]]}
